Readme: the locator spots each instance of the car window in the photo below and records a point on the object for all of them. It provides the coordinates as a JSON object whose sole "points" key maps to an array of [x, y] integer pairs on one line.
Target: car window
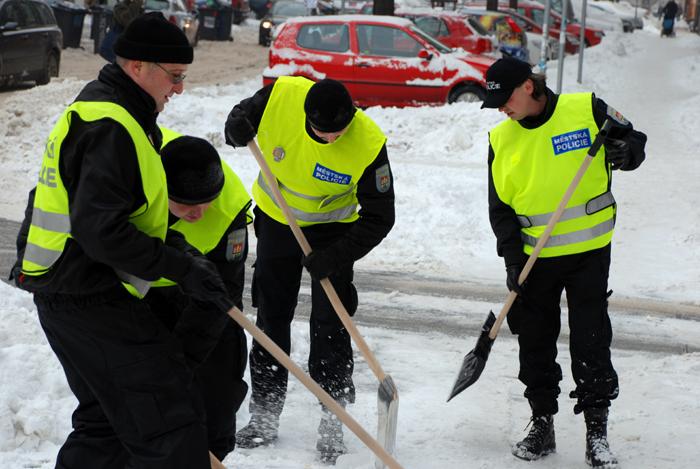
{"points": [[428, 24], [386, 41], [156, 5], [14, 13], [325, 37], [45, 13], [288, 9], [33, 15]]}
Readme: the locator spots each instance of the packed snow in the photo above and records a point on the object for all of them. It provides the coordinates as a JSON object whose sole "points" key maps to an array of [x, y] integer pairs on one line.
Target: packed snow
{"points": [[438, 157]]}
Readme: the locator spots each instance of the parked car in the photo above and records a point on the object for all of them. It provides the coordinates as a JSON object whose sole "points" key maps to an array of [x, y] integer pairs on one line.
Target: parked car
{"points": [[383, 60], [535, 11], [452, 29], [280, 12], [30, 42], [511, 39], [176, 12], [622, 10], [530, 26]]}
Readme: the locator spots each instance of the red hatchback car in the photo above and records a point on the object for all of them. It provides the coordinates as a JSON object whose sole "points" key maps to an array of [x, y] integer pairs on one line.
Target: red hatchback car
{"points": [[382, 60]]}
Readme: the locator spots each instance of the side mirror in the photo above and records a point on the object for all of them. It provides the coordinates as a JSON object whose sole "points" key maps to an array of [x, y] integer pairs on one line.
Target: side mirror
{"points": [[425, 55], [10, 26]]}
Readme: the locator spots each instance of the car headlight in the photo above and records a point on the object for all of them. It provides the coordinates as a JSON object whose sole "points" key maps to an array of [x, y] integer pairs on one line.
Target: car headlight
{"points": [[266, 24]]}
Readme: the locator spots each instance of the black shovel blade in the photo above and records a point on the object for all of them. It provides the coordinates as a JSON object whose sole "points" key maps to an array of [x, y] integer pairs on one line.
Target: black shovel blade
{"points": [[475, 361]]}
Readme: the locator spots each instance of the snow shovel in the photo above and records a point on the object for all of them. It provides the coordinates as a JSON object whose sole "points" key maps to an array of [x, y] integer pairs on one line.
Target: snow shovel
{"points": [[475, 361], [387, 395], [267, 343]]}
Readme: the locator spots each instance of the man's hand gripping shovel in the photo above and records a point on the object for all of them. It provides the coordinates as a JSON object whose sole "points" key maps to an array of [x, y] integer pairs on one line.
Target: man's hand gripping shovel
{"points": [[475, 361], [387, 395]]}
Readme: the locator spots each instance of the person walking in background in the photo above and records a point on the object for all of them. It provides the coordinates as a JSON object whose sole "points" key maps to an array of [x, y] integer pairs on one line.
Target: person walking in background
{"points": [[329, 159], [209, 207], [533, 156], [94, 236], [670, 12]]}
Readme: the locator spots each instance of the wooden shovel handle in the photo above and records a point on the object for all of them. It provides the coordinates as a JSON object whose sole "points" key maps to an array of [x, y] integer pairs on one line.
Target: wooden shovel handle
{"points": [[215, 463], [274, 350], [553, 220], [306, 249]]}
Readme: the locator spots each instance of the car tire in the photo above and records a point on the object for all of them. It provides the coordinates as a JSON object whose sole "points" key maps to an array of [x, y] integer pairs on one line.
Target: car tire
{"points": [[466, 94], [50, 69]]}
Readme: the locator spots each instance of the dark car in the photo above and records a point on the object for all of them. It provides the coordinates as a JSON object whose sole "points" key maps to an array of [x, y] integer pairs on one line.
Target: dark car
{"points": [[30, 42], [280, 11], [260, 7]]}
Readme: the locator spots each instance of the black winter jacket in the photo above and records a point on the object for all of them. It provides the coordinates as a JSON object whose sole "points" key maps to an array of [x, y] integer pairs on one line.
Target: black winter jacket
{"points": [[99, 168], [503, 218], [376, 208]]}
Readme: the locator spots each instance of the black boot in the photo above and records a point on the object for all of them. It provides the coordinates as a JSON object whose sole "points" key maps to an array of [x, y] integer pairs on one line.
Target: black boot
{"points": [[539, 442], [330, 438], [260, 431], [598, 452]]}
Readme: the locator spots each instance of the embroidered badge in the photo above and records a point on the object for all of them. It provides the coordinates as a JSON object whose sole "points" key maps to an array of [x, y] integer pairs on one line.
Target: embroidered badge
{"points": [[383, 178], [328, 175], [278, 154], [571, 141], [235, 245], [616, 116]]}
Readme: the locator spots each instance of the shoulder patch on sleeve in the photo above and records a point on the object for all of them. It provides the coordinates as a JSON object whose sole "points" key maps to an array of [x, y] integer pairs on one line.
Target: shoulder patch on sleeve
{"points": [[383, 178], [235, 245], [616, 116]]}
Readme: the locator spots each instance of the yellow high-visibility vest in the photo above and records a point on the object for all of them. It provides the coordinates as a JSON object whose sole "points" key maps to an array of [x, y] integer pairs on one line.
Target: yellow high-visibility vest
{"points": [[50, 226], [317, 180], [532, 168]]}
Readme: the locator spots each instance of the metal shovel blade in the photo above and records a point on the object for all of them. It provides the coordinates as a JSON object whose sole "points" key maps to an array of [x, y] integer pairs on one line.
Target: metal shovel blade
{"points": [[388, 412], [475, 361]]}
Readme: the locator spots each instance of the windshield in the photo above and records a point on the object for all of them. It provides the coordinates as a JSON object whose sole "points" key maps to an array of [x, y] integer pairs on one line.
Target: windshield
{"points": [[288, 9], [442, 48]]}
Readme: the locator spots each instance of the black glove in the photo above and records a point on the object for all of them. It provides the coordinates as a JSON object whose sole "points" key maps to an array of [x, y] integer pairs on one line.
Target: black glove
{"points": [[512, 275], [203, 283], [320, 264], [239, 131], [617, 152]]}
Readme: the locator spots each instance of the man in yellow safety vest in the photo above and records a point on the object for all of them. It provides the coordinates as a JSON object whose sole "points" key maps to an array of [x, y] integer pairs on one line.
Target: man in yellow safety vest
{"points": [[533, 156], [94, 238], [331, 165]]}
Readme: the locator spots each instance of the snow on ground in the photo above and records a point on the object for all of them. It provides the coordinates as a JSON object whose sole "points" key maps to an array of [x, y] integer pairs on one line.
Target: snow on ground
{"points": [[439, 160]]}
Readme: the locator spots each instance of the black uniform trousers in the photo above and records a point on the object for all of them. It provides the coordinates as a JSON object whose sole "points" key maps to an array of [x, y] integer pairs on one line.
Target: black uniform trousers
{"points": [[136, 400], [215, 347], [275, 289], [535, 318]]}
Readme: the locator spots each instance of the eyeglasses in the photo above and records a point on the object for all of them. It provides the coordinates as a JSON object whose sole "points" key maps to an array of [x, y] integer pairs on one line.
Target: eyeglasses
{"points": [[174, 79]]}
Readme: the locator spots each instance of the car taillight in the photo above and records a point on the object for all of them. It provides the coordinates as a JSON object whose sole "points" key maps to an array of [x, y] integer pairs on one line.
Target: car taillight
{"points": [[173, 20]]}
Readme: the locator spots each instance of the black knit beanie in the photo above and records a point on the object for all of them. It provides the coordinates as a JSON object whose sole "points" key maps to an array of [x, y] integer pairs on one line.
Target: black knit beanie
{"points": [[328, 106], [193, 170], [152, 38]]}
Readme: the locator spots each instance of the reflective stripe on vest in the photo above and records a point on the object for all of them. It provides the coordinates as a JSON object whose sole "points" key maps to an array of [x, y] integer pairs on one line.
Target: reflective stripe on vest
{"points": [[206, 233], [532, 169], [318, 180], [50, 226], [313, 217]]}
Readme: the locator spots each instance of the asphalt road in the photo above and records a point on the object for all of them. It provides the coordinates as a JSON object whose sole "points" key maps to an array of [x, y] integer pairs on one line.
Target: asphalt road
{"points": [[417, 312]]}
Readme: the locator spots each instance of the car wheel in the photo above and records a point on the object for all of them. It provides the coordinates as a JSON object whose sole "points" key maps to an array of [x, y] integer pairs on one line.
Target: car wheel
{"points": [[466, 94], [50, 69]]}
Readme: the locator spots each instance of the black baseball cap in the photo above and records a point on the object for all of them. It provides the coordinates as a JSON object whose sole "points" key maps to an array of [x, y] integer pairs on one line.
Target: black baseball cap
{"points": [[502, 78]]}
